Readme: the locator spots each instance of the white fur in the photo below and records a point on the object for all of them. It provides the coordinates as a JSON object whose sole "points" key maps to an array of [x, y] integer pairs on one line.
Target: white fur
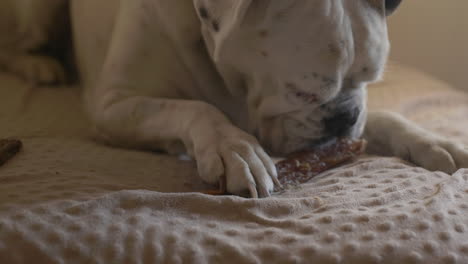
{"points": [[160, 75]]}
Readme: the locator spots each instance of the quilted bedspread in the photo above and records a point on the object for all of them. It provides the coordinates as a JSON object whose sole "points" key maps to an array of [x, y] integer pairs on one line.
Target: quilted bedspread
{"points": [[69, 199]]}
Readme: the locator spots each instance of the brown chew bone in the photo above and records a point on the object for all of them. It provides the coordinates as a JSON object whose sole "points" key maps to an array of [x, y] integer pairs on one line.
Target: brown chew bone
{"points": [[302, 166], [8, 149]]}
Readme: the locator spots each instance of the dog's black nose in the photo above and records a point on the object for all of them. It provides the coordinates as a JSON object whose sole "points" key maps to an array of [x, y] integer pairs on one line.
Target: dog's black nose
{"points": [[341, 123]]}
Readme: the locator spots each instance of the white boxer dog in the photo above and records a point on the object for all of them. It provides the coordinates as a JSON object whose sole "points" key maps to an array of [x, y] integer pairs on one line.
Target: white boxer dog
{"points": [[231, 82]]}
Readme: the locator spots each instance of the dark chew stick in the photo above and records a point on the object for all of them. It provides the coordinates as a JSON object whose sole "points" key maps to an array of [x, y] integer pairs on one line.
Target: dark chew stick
{"points": [[8, 149], [302, 166]]}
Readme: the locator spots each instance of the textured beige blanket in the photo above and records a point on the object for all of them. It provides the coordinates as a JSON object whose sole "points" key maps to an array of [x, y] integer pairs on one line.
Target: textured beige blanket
{"points": [[67, 199]]}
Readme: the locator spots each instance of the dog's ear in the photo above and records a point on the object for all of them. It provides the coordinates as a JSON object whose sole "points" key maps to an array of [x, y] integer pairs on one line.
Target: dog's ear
{"points": [[391, 6]]}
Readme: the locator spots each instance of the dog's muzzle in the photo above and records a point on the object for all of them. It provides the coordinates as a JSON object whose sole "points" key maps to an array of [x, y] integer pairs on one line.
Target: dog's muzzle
{"points": [[308, 127]]}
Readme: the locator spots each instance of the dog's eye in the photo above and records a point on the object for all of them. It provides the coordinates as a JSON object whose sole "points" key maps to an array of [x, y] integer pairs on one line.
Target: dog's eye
{"points": [[391, 6]]}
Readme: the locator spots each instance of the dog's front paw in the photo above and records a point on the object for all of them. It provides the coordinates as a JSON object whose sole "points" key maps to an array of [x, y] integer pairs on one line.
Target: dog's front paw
{"points": [[436, 154], [231, 154], [36, 69], [391, 134]]}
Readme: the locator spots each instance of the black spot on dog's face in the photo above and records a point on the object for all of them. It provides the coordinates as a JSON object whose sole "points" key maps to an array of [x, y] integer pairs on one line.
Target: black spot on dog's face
{"points": [[205, 15], [203, 12], [333, 49], [263, 33], [215, 25]]}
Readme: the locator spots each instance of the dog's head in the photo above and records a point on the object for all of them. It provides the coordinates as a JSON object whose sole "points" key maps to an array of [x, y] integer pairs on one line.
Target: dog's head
{"points": [[302, 65]]}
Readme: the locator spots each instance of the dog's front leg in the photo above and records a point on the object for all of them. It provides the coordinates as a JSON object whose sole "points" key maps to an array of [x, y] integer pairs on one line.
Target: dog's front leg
{"points": [[391, 134], [220, 149], [130, 105]]}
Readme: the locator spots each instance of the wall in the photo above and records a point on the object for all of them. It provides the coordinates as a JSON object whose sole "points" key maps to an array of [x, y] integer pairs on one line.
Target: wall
{"points": [[433, 36]]}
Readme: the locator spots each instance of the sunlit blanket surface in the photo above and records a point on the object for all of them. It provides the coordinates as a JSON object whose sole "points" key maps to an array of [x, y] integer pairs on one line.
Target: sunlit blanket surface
{"points": [[67, 199]]}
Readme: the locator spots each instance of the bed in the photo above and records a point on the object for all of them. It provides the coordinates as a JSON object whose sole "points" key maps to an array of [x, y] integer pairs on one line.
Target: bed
{"points": [[69, 199]]}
